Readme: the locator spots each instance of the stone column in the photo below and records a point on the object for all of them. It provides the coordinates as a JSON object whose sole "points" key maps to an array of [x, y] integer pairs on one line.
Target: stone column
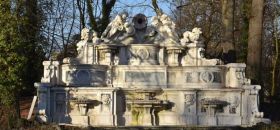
{"points": [[161, 56], [106, 54], [147, 119], [43, 106], [173, 55]]}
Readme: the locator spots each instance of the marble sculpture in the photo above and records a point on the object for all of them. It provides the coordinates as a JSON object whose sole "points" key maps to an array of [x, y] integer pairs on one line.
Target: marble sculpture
{"points": [[137, 74]]}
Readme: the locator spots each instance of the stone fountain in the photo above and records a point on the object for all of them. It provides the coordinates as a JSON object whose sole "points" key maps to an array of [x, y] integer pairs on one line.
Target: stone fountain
{"points": [[137, 74]]}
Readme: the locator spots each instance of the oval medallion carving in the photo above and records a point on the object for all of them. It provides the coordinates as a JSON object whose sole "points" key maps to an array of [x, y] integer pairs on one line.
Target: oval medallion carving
{"points": [[143, 53], [206, 77]]}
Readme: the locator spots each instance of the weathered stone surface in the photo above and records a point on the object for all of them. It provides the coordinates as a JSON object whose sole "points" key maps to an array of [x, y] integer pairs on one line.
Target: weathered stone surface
{"points": [[144, 75]]}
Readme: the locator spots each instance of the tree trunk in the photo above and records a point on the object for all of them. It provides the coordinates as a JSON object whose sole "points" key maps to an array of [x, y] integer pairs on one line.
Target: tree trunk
{"points": [[228, 33], [255, 41], [276, 56]]}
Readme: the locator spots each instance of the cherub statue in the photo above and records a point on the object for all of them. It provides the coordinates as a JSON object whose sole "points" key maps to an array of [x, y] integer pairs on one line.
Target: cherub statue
{"points": [[118, 24], [165, 27], [169, 25], [192, 36]]}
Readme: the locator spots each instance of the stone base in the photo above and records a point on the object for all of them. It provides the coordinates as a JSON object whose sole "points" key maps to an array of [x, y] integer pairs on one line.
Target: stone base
{"points": [[101, 120], [80, 120]]}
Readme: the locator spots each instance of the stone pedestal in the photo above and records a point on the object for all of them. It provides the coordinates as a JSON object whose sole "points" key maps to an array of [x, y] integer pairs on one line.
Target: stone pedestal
{"points": [[80, 120], [173, 55], [236, 75], [51, 72], [106, 54], [195, 56], [87, 54], [143, 54]]}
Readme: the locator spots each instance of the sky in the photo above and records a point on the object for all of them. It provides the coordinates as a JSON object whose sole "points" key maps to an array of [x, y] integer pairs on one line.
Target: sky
{"points": [[134, 7]]}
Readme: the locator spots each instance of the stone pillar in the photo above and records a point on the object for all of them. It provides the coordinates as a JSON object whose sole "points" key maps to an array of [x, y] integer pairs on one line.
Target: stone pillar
{"points": [[43, 107], [173, 55], [147, 119], [251, 113], [193, 55], [90, 54], [161, 56], [51, 72], [235, 75], [106, 54]]}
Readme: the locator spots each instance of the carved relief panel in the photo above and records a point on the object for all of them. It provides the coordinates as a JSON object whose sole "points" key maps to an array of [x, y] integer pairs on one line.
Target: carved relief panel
{"points": [[203, 77], [106, 100], [60, 103], [190, 103], [86, 77], [143, 55]]}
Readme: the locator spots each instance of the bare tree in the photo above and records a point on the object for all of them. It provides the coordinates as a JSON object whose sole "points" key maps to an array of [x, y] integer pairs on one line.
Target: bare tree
{"points": [[205, 14], [99, 23]]}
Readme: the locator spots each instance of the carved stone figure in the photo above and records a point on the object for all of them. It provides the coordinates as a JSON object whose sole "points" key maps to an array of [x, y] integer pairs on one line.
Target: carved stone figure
{"points": [[116, 25], [166, 28], [191, 37], [118, 29], [85, 36], [138, 74], [195, 56]]}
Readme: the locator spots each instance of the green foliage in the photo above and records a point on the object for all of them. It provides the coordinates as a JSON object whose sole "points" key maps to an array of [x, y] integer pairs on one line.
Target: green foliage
{"points": [[11, 61], [20, 52]]}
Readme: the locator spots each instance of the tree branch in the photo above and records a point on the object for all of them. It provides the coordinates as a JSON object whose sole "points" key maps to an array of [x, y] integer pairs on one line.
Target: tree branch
{"points": [[156, 8], [106, 11], [92, 21]]}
